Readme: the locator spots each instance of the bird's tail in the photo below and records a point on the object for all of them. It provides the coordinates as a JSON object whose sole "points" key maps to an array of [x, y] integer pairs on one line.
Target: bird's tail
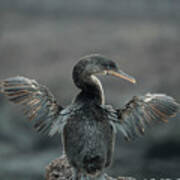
{"points": [[93, 164]]}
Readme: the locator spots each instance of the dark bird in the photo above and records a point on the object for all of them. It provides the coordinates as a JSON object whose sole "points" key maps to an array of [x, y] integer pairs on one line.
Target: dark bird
{"points": [[88, 126]]}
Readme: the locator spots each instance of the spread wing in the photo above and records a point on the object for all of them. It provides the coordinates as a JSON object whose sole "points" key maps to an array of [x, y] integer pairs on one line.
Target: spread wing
{"points": [[38, 102], [144, 110]]}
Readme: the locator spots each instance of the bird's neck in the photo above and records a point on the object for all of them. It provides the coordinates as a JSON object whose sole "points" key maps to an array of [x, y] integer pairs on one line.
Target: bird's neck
{"points": [[91, 89]]}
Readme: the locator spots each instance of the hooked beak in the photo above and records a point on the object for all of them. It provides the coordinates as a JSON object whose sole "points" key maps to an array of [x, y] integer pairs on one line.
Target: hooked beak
{"points": [[122, 75]]}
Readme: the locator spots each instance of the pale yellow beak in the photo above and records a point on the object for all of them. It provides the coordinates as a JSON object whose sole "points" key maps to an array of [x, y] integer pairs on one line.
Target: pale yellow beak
{"points": [[122, 75]]}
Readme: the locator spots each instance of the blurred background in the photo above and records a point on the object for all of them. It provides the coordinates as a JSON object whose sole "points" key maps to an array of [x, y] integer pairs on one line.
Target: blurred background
{"points": [[43, 40]]}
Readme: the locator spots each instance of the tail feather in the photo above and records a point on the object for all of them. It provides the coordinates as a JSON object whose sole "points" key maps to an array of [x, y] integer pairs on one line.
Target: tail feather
{"points": [[93, 165]]}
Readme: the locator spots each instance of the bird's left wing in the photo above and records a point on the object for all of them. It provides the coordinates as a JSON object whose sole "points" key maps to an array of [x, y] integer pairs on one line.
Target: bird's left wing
{"points": [[38, 102], [142, 111]]}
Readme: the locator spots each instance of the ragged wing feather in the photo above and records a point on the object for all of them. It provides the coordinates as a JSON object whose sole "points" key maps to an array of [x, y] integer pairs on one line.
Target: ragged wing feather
{"points": [[144, 110], [38, 102]]}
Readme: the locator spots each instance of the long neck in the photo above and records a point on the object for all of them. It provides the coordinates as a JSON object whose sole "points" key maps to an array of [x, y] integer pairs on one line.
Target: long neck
{"points": [[91, 88]]}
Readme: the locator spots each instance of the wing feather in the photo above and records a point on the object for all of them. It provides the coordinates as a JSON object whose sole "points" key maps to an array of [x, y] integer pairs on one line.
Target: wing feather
{"points": [[38, 102], [142, 111]]}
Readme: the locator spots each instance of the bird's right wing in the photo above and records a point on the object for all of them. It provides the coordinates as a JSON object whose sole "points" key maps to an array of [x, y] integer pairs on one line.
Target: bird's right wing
{"points": [[142, 111], [38, 102]]}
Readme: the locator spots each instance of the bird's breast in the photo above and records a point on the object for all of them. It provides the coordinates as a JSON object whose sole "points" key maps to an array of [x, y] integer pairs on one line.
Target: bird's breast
{"points": [[87, 137]]}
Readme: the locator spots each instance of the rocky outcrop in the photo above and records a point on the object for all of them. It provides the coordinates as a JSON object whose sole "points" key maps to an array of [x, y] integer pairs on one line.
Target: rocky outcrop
{"points": [[59, 169]]}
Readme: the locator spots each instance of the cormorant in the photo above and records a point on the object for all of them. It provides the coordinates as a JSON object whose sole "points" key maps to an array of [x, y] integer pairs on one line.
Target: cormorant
{"points": [[88, 125]]}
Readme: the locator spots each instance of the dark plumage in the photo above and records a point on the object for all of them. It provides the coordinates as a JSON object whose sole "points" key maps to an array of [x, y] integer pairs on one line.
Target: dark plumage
{"points": [[87, 125]]}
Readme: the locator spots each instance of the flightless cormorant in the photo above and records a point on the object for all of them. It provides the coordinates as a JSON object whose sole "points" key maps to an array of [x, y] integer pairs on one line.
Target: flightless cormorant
{"points": [[88, 125]]}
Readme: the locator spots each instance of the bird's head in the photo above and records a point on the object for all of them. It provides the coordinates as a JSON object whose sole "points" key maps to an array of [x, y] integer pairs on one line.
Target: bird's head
{"points": [[98, 64]]}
